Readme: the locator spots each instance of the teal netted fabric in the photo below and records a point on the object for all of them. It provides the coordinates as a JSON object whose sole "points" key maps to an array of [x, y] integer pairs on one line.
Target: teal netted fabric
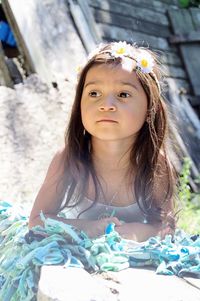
{"points": [[23, 252]]}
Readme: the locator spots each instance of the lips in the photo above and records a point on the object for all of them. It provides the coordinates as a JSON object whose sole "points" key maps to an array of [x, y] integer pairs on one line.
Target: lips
{"points": [[107, 120]]}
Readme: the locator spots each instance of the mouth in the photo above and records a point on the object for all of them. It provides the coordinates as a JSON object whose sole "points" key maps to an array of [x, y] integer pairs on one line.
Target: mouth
{"points": [[107, 120]]}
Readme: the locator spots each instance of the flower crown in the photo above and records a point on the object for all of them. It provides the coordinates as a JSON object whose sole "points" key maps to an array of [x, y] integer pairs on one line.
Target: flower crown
{"points": [[143, 59]]}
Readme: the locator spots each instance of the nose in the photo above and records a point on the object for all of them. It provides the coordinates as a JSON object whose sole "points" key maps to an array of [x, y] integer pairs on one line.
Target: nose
{"points": [[107, 104]]}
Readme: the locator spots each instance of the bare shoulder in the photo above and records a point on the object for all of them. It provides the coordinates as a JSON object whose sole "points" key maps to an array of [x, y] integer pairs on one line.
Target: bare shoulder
{"points": [[59, 156], [49, 196], [57, 165]]}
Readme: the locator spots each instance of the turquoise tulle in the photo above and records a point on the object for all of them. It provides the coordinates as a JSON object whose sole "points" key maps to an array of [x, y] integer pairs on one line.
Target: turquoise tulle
{"points": [[23, 252]]}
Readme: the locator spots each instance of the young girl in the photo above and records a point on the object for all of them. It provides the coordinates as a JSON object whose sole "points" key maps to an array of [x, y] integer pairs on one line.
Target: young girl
{"points": [[114, 167]]}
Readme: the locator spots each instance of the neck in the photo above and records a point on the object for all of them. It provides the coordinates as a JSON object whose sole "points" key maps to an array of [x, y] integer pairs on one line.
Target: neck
{"points": [[111, 156]]}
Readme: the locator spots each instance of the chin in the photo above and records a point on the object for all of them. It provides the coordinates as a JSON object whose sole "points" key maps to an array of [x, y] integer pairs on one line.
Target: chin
{"points": [[107, 138]]}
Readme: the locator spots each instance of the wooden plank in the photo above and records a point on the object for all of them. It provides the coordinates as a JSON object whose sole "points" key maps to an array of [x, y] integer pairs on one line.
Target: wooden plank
{"points": [[191, 59], [157, 6], [61, 284], [5, 77], [194, 100], [171, 2], [116, 33], [82, 26], [28, 64], [45, 37], [195, 13], [125, 9], [73, 284], [189, 37], [130, 22], [188, 126], [15, 74], [176, 72], [193, 281], [154, 2], [170, 58], [182, 23], [130, 282], [90, 20]]}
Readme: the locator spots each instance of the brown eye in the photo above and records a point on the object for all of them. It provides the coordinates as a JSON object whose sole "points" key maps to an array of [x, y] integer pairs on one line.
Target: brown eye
{"points": [[124, 95], [94, 94]]}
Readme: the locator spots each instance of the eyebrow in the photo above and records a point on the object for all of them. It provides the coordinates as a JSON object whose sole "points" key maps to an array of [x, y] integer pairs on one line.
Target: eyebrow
{"points": [[128, 84], [119, 82], [92, 83]]}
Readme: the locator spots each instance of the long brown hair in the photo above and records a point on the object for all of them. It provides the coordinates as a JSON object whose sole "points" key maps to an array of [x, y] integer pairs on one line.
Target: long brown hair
{"points": [[148, 154]]}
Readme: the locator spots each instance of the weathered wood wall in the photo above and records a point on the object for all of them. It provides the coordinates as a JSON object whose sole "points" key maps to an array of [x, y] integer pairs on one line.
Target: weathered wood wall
{"points": [[186, 23], [141, 21], [5, 78]]}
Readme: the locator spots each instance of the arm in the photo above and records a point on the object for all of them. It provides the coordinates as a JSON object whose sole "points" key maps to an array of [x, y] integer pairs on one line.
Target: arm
{"points": [[93, 228], [49, 200], [141, 232]]}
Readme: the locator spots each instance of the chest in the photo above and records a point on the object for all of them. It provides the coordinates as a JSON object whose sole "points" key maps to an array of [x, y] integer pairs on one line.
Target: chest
{"points": [[113, 191]]}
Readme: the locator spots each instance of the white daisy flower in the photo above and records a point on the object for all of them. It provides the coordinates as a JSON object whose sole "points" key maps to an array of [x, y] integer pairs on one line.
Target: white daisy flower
{"points": [[128, 64], [145, 61], [120, 49]]}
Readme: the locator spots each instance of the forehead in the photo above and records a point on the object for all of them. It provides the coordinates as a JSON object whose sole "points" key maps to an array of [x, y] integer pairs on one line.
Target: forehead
{"points": [[110, 73]]}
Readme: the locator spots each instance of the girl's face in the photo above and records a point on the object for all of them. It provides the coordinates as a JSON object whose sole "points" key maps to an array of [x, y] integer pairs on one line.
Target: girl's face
{"points": [[113, 103]]}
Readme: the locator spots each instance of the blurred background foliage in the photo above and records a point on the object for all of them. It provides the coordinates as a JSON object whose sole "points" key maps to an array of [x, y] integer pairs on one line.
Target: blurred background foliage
{"points": [[189, 3], [189, 215]]}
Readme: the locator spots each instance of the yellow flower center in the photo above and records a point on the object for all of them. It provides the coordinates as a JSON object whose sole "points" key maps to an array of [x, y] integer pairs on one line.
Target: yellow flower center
{"points": [[121, 50], [144, 63]]}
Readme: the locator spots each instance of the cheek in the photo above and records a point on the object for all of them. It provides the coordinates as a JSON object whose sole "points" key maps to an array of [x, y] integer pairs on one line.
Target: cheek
{"points": [[86, 114], [83, 114], [84, 107], [137, 112], [88, 109], [135, 117]]}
